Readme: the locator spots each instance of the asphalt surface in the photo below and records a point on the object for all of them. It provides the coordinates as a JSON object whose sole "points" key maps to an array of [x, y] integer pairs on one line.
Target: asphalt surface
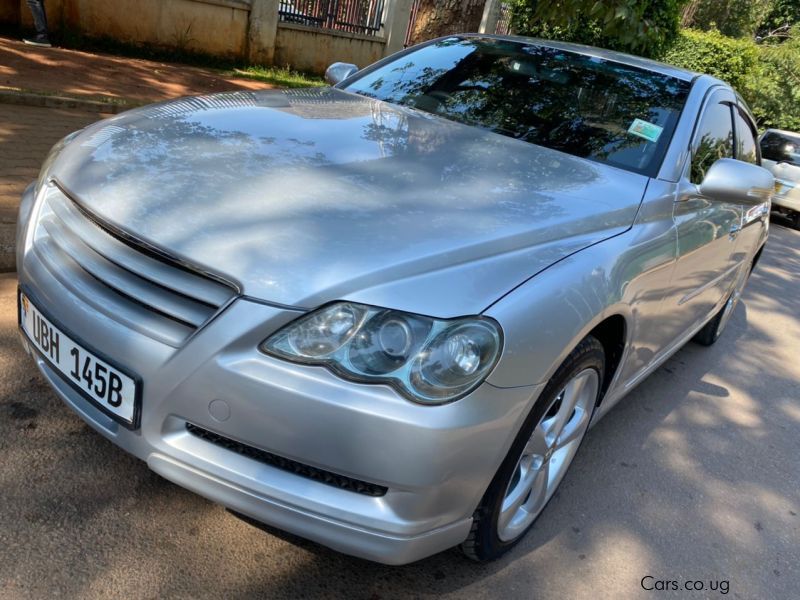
{"points": [[693, 477]]}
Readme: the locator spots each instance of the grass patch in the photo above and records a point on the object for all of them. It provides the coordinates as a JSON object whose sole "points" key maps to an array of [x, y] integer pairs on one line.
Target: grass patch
{"points": [[286, 78]]}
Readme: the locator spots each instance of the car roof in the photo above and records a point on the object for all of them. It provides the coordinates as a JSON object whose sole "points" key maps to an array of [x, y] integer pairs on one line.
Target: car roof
{"points": [[611, 55]]}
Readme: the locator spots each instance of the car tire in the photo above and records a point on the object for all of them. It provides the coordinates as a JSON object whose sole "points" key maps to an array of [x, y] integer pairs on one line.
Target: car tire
{"points": [[712, 330], [493, 533], [795, 216]]}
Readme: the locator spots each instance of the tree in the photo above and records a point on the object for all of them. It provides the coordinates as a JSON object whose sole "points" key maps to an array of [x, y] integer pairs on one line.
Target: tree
{"points": [[640, 26], [779, 20], [776, 95], [436, 18], [767, 75], [734, 18]]}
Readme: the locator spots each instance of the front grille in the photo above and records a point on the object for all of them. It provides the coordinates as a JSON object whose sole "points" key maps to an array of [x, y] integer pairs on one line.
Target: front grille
{"points": [[122, 278], [285, 464]]}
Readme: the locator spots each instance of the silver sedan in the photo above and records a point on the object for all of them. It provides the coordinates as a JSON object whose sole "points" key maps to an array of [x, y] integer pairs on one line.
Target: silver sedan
{"points": [[382, 315]]}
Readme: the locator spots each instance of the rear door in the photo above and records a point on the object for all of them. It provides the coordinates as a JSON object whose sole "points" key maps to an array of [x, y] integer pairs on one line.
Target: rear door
{"points": [[707, 228]]}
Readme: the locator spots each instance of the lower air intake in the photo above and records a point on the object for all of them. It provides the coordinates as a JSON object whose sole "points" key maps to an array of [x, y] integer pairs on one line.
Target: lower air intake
{"points": [[340, 481]]}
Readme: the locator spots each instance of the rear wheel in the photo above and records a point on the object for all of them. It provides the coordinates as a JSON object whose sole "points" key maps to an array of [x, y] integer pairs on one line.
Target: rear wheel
{"points": [[712, 330], [795, 216], [540, 455]]}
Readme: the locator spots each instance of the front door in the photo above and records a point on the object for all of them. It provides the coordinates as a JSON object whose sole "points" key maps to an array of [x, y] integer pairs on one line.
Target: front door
{"points": [[707, 228]]}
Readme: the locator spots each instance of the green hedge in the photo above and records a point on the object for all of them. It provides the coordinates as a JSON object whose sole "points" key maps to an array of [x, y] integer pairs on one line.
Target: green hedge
{"points": [[767, 76], [729, 59], [775, 95], [643, 27]]}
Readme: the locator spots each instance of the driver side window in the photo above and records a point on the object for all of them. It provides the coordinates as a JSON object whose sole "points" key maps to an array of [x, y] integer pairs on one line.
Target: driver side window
{"points": [[714, 140], [745, 139]]}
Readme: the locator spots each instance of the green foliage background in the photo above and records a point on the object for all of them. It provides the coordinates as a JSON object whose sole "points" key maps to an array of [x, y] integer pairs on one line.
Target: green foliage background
{"points": [[734, 18], [766, 75], [644, 27], [759, 56]]}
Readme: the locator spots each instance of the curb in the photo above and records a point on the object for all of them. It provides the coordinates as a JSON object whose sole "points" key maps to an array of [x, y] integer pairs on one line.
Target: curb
{"points": [[23, 98]]}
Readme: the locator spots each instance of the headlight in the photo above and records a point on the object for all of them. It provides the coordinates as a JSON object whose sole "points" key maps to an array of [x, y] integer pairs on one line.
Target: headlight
{"points": [[430, 361]]}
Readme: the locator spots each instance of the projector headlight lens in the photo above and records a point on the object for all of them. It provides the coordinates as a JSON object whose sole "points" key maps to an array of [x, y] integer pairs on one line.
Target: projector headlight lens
{"points": [[431, 361]]}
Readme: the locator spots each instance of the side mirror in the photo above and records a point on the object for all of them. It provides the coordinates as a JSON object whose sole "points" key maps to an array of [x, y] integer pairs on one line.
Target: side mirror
{"points": [[730, 180], [339, 71]]}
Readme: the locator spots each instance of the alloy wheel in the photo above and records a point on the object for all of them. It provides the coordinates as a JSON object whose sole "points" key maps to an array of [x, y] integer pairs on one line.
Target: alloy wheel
{"points": [[547, 455]]}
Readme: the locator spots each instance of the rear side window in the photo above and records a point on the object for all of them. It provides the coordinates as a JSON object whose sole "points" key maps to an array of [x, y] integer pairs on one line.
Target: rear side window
{"points": [[714, 140], [781, 147], [746, 149]]}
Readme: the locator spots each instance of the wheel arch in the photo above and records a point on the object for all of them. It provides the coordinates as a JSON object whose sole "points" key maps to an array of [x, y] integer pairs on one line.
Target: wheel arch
{"points": [[611, 332], [757, 256], [544, 320]]}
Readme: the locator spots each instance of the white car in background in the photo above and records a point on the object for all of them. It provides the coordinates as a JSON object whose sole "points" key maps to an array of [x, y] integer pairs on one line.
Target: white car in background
{"points": [[780, 153]]}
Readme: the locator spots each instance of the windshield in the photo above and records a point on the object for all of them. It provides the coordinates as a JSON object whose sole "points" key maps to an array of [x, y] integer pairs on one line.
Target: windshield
{"points": [[585, 106]]}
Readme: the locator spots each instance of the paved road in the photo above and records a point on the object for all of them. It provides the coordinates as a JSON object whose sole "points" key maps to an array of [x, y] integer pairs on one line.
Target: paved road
{"points": [[693, 477]]}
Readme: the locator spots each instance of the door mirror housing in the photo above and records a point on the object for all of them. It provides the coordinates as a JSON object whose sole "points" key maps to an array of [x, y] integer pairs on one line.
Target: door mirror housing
{"points": [[730, 180], [339, 71]]}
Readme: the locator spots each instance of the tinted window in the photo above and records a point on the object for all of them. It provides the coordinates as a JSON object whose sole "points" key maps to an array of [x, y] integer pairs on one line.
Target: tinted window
{"points": [[714, 140], [745, 140], [781, 147], [585, 106]]}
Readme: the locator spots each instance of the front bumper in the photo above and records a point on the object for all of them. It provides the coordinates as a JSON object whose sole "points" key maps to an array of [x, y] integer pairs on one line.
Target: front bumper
{"points": [[435, 462]]}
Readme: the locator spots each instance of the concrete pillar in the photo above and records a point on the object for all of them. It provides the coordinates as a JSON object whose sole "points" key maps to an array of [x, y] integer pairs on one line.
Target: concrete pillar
{"points": [[491, 14], [262, 29], [395, 24]]}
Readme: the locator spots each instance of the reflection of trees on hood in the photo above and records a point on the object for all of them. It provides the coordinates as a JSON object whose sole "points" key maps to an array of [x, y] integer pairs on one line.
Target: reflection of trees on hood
{"points": [[455, 151], [222, 154], [198, 158]]}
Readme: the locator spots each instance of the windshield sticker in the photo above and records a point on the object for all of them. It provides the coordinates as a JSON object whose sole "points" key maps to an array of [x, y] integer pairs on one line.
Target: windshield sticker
{"points": [[645, 130]]}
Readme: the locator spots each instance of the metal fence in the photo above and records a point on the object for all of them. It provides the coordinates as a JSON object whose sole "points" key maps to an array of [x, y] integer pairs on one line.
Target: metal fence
{"points": [[412, 19], [503, 26], [353, 16]]}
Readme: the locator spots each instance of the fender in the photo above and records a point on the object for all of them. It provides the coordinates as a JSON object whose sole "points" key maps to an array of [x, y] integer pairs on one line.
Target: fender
{"points": [[626, 275]]}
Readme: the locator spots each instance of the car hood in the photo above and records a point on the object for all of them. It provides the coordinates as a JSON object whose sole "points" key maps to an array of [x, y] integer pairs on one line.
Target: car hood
{"points": [[303, 197]]}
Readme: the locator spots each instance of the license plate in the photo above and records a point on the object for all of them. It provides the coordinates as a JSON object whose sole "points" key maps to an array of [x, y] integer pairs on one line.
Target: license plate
{"points": [[103, 383]]}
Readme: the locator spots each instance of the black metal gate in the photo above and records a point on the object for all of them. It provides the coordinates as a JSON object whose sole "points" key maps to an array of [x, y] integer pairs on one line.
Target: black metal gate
{"points": [[353, 16]]}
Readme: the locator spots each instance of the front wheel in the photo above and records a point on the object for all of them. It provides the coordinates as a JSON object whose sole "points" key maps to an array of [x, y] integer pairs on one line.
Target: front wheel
{"points": [[540, 455]]}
